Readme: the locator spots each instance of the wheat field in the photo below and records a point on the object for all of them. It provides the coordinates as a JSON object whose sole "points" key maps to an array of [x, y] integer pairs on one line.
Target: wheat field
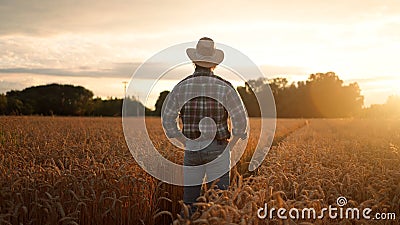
{"points": [[72, 170]]}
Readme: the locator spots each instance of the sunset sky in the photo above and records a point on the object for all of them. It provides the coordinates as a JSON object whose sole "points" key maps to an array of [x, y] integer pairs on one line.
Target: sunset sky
{"points": [[98, 44]]}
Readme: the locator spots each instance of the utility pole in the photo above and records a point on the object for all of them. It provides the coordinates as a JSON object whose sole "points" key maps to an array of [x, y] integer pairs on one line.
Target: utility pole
{"points": [[123, 108], [137, 106], [124, 82]]}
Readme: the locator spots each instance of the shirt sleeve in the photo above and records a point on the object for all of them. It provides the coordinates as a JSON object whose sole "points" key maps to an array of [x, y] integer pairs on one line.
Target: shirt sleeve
{"points": [[238, 113], [170, 115]]}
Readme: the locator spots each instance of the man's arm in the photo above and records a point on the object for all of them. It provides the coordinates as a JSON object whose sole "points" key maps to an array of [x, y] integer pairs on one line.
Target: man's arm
{"points": [[238, 115], [169, 118]]}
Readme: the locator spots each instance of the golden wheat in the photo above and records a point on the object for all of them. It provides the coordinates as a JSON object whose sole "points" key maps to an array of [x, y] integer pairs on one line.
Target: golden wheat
{"points": [[80, 171]]}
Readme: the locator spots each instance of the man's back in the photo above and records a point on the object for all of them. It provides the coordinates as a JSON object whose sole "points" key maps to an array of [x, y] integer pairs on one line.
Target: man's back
{"points": [[201, 95]]}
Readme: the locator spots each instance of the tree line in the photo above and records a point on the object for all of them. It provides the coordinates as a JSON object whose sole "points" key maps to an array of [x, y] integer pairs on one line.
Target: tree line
{"points": [[389, 110], [322, 95], [64, 100]]}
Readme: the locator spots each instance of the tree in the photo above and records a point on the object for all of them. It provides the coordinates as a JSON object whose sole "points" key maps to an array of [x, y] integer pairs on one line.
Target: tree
{"points": [[389, 110], [330, 98], [109, 107], [3, 104], [159, 103], [50, 99], [134, 107], [249, 100], [322, 95]]}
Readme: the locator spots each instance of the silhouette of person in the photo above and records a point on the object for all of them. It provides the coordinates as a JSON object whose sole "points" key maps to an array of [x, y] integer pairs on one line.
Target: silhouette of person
{"points": [[207, 96]]}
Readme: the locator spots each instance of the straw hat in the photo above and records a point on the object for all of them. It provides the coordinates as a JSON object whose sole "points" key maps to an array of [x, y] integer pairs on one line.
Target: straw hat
{"points": [[205, 54]]}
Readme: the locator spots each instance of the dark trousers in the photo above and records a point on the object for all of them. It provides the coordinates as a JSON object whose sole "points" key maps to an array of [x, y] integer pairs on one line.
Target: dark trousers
{"points": [[210, 163]]}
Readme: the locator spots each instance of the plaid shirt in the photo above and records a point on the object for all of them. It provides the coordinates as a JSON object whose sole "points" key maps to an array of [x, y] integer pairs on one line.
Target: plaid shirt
{"points": [[197, 108]]}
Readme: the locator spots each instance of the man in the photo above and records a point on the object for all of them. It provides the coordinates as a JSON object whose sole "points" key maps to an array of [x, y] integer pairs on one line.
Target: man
{"points": [[197, 99]]}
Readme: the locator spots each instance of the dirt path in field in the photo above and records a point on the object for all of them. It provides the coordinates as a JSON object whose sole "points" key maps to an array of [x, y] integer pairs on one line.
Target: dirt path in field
{"points": [[283, 137], [285, 128]]}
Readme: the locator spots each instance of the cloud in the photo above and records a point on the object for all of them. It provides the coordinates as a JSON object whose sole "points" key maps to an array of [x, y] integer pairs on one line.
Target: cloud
{"points": [[273, 70], [372, 79], [390, 31], [11, 85], [49, 17], [116, 70], [123, 70]]}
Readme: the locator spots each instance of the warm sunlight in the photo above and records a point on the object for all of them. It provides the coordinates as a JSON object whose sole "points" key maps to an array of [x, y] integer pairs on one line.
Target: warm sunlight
{"points": [[111, 112], [356, 40]]}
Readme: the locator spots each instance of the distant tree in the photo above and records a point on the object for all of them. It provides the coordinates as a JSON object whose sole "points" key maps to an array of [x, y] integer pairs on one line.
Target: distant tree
{"points": [[14, 106], [322, 95], [159, 103], [57, 99], [249, 100], [389, 110], [3, 104], [52, 99], [278, 85], [113, 107], [330, 98], [108, 107], [134, 107]]}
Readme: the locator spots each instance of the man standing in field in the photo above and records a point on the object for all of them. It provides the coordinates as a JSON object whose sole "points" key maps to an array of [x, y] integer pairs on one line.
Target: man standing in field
{"points": [[204, 101]]}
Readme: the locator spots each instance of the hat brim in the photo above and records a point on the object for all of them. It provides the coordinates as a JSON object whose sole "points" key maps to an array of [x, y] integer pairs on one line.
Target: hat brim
{"points": [[205, 61]]}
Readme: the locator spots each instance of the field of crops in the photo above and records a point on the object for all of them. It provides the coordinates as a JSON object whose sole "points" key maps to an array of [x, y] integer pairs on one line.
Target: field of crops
{"points": [[79, 171]]}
